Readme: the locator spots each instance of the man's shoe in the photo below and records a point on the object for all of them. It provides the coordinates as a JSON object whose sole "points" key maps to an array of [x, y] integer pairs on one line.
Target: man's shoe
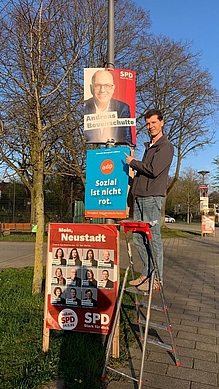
{"points": [[138, 281], [156, 285], [145, 286]]}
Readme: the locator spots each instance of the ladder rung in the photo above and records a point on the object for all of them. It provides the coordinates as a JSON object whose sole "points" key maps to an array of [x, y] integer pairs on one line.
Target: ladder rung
{"points": [[133, 289], [160, 344], [155, 307], [155, 325], [122, 374]]}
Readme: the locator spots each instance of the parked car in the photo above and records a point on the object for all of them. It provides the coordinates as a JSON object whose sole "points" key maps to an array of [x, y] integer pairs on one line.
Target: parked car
{"points": [[169, 219]]}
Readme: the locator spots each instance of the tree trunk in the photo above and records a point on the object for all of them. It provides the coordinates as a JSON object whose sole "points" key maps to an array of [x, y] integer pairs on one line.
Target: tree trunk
{"points": [[38, 262], [33, 210], [188, 214]]}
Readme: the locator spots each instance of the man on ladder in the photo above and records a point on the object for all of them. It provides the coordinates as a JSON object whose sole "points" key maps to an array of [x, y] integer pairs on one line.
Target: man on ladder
{"points": [[149, 190]]}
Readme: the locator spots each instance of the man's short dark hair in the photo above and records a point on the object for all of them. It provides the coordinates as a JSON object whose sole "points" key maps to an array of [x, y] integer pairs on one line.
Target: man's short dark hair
{"points": [[152, 112]]}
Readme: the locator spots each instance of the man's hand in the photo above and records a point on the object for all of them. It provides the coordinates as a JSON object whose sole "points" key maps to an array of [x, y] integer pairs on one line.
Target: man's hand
{"points": [[129, 158]]}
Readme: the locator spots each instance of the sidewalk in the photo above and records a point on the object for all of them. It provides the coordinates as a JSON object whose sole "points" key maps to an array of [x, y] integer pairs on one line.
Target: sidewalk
{"points": [[191, 287]]}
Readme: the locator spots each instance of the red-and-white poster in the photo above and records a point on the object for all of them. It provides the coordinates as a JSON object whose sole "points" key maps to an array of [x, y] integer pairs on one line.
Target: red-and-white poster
{"points": [[109, 106], [81, 281], [208, 224]]}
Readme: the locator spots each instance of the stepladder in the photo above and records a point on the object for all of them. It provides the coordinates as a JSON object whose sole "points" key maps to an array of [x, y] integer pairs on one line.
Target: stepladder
{"points": [[144, 304]]}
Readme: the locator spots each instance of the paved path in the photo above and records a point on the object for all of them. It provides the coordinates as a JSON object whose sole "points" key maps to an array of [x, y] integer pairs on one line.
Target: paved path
{"points": [[191, 287], [18, 254]]}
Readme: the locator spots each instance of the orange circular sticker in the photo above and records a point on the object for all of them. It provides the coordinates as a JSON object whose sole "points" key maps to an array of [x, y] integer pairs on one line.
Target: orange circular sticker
{"points": [[107, 166]]}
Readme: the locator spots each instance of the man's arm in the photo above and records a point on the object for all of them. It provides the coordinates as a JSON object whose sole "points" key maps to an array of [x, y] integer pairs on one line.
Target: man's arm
{"points": [[160, 161]]}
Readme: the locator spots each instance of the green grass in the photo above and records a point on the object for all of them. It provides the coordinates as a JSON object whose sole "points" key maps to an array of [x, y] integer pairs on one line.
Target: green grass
{"points": [[19, 237], [171, 233], [76, 357]]}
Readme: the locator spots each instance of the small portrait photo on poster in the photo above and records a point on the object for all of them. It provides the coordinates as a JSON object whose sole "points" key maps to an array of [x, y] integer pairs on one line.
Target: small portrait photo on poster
{"points": [[74, 257], [58, 277], [89, 259], [74, 276], [89, 279], [88, 298], [73, 296], [105, 281], [106, 258], [59, 257], [57, 296]]}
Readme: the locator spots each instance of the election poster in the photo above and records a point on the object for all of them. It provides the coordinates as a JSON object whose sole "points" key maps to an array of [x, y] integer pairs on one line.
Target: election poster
{"points": [[106, 187], [109, 106], [82, 277], [208, 225]]}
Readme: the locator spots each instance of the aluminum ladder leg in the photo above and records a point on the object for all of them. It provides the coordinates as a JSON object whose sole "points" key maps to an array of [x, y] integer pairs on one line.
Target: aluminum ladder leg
{"points": [[144, 228]]}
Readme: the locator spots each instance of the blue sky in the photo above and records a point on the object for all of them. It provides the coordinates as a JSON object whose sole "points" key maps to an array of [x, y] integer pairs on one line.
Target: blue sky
{"points": [[196, 21]]}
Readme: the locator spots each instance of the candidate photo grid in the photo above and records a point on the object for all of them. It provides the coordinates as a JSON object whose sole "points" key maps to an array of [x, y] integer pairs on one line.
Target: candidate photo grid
{"points": [[77, 274]]}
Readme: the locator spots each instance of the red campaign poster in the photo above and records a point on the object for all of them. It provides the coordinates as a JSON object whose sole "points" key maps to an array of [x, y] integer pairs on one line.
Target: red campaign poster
{"points": [[81, 281], [110, 106], [208, 224]]}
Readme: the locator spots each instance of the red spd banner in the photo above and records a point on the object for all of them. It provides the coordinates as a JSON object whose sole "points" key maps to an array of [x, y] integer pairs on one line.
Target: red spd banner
{"points": [[81, 281]]}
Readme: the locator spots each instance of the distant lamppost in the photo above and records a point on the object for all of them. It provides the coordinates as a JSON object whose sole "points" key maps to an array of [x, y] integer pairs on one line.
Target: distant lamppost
{"points": [[203, 173], [14, 202], [203, 193]]}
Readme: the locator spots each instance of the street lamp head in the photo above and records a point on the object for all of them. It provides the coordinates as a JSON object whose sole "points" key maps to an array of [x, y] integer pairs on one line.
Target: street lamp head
{"points": [[203, 173]]}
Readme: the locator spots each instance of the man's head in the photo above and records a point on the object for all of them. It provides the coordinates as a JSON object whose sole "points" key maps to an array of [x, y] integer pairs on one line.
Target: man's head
{"points": [[73, 293], [73, 274], [154, 123], [105, 275], [106, 256], [102, 88]]}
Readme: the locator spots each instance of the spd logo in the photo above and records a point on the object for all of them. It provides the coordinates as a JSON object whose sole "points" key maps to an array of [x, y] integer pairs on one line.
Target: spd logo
{"points": [[127, 75], [68, 319]]}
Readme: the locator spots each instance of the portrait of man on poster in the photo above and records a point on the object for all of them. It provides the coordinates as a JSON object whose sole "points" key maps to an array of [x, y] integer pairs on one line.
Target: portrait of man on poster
{"points": [[105, 117]]}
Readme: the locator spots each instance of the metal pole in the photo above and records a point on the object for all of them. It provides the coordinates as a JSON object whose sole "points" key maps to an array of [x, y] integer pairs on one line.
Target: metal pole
{"points": [[110, 64], [110, 54], [14, 199]]}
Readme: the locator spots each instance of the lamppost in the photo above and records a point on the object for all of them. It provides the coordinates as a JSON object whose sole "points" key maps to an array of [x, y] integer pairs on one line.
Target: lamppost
{"points": [[203, 173], [14, 202], [204, 208]]}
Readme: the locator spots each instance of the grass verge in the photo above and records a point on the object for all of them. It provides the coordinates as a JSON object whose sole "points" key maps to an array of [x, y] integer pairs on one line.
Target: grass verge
{"points": [[19, 237], [171, 233], [76, 357]]}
